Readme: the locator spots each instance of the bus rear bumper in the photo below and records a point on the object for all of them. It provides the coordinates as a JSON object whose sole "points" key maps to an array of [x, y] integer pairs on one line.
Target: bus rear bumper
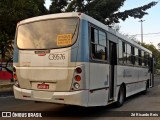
{"points": [[79, 98]]}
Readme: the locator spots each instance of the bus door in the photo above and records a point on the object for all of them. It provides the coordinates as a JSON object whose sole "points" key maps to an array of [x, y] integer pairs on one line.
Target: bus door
{"points": [[113, 62]]}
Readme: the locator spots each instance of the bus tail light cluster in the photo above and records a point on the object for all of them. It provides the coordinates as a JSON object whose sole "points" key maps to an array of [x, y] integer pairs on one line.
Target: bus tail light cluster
{"points": [[16, 83], [77, 78]]}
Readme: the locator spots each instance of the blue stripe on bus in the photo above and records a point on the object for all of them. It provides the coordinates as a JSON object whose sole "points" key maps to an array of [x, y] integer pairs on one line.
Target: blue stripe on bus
{"points": [[83, 46], [16, 54]]}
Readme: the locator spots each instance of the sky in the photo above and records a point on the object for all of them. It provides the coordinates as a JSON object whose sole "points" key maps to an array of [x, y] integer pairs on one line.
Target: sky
{"points": [[132, 27]]}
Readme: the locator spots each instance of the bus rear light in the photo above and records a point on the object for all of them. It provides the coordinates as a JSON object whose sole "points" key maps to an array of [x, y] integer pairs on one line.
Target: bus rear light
{"points": [[14, 69], [76, 85], [14, 76], [78, 78], [78, 70]]}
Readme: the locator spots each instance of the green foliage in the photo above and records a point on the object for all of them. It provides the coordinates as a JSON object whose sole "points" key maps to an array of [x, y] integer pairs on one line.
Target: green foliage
{"points": [[75, 5], [13, 11], [102, 9], [3, 44], [57, 6], [41, 7]]}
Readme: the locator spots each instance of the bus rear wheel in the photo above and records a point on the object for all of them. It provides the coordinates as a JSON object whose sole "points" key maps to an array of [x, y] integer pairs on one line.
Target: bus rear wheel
{"points": [[146, 89], [121, 97]]}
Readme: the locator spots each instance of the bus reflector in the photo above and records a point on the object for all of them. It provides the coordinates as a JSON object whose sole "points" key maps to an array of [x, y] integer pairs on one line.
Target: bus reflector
{"points": [[77, 78]]}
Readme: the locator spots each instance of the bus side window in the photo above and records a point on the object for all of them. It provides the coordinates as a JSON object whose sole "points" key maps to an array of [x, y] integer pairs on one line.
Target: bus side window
{"points": [[146, 55], [93, 47], [132, 55], [150, 63], [139, 59], [136, 57], [128, 54], [124, 52], [120, 59], [98, 44], [142, 57]]}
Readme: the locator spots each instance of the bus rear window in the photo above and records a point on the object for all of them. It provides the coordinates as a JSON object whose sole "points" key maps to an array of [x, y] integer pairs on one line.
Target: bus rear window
{"points": [[48, 34]]}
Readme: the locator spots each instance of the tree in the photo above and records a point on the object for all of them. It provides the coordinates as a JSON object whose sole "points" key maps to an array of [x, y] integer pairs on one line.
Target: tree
{"points": [[13, 11], [76, 5], [57, 6], [41, 7], [102, 10]]}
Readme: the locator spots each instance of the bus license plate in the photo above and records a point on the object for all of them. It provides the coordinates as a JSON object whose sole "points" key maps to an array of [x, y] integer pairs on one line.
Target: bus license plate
{"points": [[43, 86]]}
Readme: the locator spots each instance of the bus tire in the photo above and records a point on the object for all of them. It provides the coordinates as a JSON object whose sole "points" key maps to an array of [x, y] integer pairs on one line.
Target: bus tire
{"points": [[145, 91], [121, 97]]}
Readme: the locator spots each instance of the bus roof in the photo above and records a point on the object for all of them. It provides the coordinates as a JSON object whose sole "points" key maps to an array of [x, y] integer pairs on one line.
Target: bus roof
{"points": [[87, 18]]}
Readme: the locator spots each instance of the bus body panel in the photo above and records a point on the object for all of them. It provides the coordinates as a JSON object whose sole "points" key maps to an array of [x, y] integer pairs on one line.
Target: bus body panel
{"points": [[98, 97], [129, 74], [99, 80], [135, 78], [99, 84]]}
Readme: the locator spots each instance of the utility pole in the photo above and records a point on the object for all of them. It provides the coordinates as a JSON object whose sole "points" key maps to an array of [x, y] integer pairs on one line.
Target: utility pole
{"points": [[141, 30]]}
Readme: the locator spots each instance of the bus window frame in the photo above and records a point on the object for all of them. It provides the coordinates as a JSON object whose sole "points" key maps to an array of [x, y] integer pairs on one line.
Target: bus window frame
{"points": [[91, 25], [79, 25]]}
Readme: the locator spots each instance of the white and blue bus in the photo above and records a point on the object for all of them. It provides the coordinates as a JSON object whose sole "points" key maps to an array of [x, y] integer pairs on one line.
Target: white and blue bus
{"points": [[71, 58]]}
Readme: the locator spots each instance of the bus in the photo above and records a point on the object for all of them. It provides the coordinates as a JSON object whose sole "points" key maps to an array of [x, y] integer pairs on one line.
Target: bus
{"points": [[73, 59]]}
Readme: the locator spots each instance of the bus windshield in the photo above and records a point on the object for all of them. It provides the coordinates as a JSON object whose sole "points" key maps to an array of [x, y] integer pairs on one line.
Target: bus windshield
{"points": [[48, 34]]}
